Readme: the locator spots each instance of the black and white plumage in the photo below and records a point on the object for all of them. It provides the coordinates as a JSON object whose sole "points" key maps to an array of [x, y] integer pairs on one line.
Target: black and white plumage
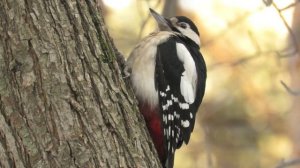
{"points": [[168, 75]]}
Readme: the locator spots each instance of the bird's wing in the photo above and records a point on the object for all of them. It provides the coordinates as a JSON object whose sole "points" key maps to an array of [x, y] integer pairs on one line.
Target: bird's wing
{"points": [[176, 81]]}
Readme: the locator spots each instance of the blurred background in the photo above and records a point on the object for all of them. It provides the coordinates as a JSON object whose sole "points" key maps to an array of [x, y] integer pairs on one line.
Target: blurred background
{"points": [[250, 115]]}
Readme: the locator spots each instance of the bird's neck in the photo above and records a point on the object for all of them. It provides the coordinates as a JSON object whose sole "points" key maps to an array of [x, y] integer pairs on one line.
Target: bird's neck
{"points": [[189, 41]]}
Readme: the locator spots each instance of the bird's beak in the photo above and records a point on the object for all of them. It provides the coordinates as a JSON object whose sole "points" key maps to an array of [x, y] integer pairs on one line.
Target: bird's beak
{"points": [[163, 23]]}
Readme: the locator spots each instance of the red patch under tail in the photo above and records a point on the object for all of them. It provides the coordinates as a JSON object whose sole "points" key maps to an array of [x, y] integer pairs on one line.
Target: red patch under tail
{"points": [[154, 125]]}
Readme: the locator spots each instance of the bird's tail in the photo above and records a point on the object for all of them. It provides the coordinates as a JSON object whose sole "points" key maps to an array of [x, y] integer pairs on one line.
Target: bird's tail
{"points": [[170, 161]]}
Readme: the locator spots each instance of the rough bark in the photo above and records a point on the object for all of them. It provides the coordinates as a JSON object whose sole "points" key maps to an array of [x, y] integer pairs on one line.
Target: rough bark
{"points": [[63, 102]]}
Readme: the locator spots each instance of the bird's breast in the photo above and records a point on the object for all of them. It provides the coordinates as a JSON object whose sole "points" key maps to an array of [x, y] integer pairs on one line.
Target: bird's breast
{"points": [[142, 64]]}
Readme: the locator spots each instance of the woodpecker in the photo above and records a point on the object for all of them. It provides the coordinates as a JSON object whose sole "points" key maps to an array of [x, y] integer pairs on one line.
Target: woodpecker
{"points": [[168, 75]]}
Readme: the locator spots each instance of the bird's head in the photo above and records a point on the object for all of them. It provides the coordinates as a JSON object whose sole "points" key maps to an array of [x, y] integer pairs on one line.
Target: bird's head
{"points": [[179, 24]]}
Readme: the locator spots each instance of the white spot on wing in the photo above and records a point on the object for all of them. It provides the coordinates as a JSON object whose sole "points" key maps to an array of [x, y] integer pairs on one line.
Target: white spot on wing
{"points": [[184, 106], [175, 99], [185, 123], [165, 118], [166, 133], [162, 94], [165, 107], [191, 115], [170, 116], [176, 115]]}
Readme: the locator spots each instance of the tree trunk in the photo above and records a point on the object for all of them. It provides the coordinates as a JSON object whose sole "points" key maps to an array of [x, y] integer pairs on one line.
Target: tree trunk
{"points": [[63, 101], [170, 8]]}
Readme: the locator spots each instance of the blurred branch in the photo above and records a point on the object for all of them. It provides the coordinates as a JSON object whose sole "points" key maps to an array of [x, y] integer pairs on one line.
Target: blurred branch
{"points": [[268, 2], [292, 35], [170, 8], [288, 89], [289, 6], [147, 18], [254, 42], [287, 53], [243, 59], [246, 58], [231, 25], [143, 26], [259, 52], [207, 146], [284, 164]]}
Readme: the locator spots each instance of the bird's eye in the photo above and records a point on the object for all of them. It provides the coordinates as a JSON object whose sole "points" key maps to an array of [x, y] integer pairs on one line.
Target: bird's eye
{"points": [[183, 25]]}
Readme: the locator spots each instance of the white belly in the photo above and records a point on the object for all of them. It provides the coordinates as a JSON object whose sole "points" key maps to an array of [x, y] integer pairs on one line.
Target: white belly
{"points": [[142, 64]]}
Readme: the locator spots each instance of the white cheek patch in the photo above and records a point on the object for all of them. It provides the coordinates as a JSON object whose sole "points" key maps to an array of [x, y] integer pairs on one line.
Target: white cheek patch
{"points": [[190, 34]]}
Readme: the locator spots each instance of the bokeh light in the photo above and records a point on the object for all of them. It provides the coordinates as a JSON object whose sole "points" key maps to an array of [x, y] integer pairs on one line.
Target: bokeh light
{"points": [[117, 4]]}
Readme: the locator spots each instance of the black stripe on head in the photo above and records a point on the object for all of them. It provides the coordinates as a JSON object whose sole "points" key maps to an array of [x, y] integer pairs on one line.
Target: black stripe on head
{"points": [[172, 27], [188, 21]]}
